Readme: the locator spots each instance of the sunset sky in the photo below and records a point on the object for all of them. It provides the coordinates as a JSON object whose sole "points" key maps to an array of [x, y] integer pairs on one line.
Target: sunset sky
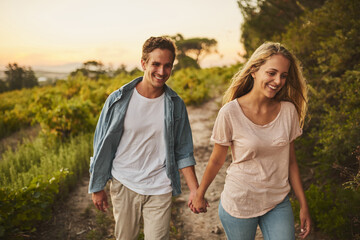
{"points": [[60, 35]]}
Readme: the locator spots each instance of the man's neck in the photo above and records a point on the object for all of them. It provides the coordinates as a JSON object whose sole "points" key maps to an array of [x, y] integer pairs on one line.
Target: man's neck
{"points": [[149, 91]]}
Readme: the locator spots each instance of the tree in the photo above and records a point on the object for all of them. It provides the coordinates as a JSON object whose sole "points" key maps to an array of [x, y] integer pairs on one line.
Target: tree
{"points": [[184, 61], [91, 69], [20, 77], [266, 20], [3, 87], [192, 50]]}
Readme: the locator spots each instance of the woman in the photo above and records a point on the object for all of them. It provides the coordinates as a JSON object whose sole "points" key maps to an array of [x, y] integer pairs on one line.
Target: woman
{"points": [[264, 110]]}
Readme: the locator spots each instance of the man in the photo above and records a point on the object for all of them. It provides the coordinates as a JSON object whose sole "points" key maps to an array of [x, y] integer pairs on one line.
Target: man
{"points": [[142, 139]]}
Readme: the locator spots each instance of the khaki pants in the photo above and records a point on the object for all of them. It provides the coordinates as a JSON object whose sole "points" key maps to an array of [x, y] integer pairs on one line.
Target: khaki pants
{"points": [[128, 208]]}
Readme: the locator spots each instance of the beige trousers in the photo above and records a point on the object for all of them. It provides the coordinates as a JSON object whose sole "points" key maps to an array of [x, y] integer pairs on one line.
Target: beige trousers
{"points": [[129, 207]]}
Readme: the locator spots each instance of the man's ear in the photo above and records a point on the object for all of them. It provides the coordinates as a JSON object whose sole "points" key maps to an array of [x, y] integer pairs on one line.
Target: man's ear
{"points": [[143, 64]]}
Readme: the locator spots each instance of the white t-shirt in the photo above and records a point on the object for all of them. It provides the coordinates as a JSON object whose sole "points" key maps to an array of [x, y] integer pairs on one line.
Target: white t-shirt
{"points": [[258, 177], [139, 162]]}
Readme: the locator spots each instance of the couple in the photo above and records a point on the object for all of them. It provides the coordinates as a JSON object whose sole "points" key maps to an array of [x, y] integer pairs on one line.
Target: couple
{"points": [[143, 138]]}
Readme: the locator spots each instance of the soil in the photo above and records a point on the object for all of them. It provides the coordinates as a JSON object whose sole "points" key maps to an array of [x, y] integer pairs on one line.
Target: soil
{"points": [[77, 218]]}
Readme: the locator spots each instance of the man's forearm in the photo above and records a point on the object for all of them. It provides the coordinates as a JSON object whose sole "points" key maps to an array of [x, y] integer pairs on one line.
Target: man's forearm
{"points": [[190, 177]]}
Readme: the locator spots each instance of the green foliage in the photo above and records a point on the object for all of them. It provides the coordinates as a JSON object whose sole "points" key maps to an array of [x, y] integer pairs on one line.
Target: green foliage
{"points": [[21, 209], [67, 118], [189, 86], [185, 62], [195, 86], [339, 131], [31, 181], [266, 20], [14, 111], [43, 157], [334, 210], [326, 40], [66, 109]]}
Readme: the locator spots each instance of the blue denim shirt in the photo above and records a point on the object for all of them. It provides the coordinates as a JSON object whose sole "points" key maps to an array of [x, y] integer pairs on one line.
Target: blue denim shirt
{"points": [[110, 127]]}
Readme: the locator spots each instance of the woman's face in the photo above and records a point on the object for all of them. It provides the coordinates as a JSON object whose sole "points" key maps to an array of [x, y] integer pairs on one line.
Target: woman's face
{"points": [[271, 76]]}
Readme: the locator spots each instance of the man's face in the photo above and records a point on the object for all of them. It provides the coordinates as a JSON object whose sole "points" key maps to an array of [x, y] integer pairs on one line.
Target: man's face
{"points": [[157, 69]]}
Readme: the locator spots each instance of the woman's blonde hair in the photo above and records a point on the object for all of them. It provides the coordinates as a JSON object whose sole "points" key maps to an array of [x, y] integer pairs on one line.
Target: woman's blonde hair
{"points": [[294, 90]]}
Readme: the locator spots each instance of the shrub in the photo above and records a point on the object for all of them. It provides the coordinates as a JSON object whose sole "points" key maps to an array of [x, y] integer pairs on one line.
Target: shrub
{"points": [[334, 210]]}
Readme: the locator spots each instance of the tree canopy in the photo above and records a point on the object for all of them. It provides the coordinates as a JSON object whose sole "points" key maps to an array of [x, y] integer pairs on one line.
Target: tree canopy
{"points": [[265, 20], [91, 69], [19, 77], [192, 50]]}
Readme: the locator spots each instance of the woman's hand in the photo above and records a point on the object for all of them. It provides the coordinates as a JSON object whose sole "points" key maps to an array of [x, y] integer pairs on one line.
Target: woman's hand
{"points": [[199, 204], [305, 223]]}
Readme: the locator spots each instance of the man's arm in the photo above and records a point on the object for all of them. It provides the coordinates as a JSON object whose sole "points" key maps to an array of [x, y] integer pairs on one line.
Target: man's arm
{"points": [[192, 183]]}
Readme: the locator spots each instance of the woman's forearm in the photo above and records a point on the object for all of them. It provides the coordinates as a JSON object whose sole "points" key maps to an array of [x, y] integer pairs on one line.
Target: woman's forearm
{"points": [[216, 161]]}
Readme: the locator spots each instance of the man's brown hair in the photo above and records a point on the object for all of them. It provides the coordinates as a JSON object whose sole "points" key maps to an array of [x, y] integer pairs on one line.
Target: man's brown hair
{"points": [[158, 42]]}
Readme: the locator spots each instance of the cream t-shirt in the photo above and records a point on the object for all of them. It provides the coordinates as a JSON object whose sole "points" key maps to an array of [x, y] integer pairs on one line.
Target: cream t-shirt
{"points": [[258, 177]]}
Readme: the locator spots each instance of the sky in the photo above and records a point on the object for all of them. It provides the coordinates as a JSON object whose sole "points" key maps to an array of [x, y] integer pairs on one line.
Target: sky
{"points": [[55, 35]]}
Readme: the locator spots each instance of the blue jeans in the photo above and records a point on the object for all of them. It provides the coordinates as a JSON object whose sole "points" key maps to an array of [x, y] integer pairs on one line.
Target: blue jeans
{"points": [[277, 224]]}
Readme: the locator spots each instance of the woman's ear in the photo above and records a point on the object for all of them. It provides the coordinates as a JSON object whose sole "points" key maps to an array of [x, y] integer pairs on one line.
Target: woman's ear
{"points": [[253, 75]]}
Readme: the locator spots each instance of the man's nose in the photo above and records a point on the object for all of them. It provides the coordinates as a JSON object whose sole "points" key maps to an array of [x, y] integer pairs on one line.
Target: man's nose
{"points": [[161, 70]]}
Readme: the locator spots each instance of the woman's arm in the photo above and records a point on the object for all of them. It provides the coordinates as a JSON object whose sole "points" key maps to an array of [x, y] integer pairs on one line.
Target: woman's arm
{"points": [[295, 181], [216, 161]]}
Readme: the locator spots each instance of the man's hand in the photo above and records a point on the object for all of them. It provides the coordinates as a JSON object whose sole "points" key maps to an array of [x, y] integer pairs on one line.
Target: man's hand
{"points": [[100, 200], [198, 204]]}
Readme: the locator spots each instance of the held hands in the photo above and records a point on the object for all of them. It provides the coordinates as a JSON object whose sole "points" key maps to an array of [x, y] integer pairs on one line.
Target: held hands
{"points": [[197, 203], [100, 200]]}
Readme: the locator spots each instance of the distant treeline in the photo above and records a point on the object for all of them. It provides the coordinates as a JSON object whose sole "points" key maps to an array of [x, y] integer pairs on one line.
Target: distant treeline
{"points": [[189, 54]]}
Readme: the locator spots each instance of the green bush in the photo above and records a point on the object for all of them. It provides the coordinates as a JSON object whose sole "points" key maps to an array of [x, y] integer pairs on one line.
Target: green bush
{"points": [[334, 210], [33, 177], [21, 209], [196, 86], [41, 157]]}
